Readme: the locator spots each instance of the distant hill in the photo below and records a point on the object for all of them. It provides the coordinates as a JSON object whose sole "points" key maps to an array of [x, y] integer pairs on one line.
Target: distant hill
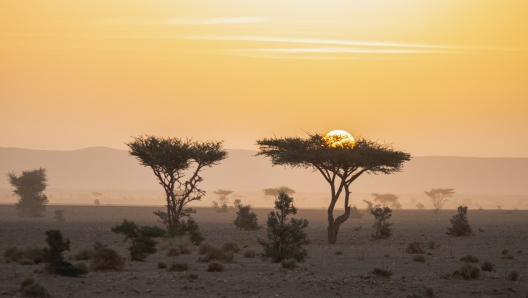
{"points": [[105, 168]]}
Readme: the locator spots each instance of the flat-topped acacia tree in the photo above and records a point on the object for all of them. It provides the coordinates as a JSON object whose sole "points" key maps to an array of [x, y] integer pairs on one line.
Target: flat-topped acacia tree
{"points": [[340, 162], [177, 164]]}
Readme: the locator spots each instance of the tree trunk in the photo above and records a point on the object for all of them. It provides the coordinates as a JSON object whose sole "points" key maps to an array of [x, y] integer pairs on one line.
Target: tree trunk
{"points": [[333, 225]]}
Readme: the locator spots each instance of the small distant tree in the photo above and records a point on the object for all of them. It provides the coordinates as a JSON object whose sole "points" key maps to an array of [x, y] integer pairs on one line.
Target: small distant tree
{"points": [[275, 191], [439, 196], [420, 206], [141, 237], [387, 199], [97, 203], [285, 239], [220, 205], [172, 160], [460, 223], [370, 205], [499, 205], [59, 215], [29, 187], [381, 225], [246, 219]]}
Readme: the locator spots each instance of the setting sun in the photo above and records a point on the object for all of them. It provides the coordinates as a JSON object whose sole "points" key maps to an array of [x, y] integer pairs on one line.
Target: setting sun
{"points": [[340, 138]]}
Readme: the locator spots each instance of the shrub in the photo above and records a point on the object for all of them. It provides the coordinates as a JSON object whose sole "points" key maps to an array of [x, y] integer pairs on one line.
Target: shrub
{"points": [[338, 252], [429, 292], [381, 225], [487, 266], [162, 265], [415, 248], [468, 271], [185, 245], [290, 263], [173, 252], [419, 258], [513, 276], [469, 259], [57, 264], [59, 215], [250, 253], [215, 267], [191, 275], [202, 250], [190, 229], [382, 272], [431, 245], [9, 253], [246, 219], [31, 288], [505, 251], [355, 213], [508, 256], [214, 253], [84, 254], [445, 275], [30, 256], [29, 187], [141, 238], [35, 254], [230, 246], [460, 223], [106, 258], [179, 267], [285, 239]]}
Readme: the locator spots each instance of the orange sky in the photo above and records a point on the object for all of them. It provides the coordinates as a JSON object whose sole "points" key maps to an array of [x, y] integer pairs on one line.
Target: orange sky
{"points": [[431, 77]]}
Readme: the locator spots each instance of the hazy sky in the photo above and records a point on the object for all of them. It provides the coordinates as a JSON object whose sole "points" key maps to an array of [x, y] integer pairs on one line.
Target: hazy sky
{"points": [[431, 77]]}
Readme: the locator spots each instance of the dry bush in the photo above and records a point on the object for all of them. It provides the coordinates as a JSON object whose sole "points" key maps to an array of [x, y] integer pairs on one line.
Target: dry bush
{"points": [[214, 253], [469, 259], [505, 251], [83, 255], [429, 292], [415, 248], [173, 252], [179, 267], [431, 245], [191, 275], [250, 253], [290, 263], [162, 265], [513, 276], [29, 256], [215, 267], [508, 256], [385, 272], [204, 247], [106, 258], [468, 271], [487, 266], [338, 252], [31, 288], [230, 246], [419, 258]]}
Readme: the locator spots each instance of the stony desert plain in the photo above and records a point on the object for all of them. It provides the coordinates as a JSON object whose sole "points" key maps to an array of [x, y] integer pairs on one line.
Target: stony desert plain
{"points": [[341, 270]]}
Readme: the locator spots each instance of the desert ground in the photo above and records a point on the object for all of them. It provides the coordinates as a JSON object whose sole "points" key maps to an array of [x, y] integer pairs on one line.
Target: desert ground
{"points": [[323, 274]]}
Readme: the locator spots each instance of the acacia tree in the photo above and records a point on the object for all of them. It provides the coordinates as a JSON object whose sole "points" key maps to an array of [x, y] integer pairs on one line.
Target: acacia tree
{"points": [[275, 191], [386, 199], [173, 160], [222, 199], [340, 163], [439, 197], [29, 187]]}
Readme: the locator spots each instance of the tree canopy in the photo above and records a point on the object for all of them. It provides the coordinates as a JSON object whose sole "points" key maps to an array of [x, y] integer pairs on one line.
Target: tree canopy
{"points": [[439, 197], [177, 164], [29, 187], [339, 165]]}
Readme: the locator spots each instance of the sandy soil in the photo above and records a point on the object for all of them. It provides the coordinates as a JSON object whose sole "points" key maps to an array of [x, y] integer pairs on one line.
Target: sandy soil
{"points": [[324, 273]]}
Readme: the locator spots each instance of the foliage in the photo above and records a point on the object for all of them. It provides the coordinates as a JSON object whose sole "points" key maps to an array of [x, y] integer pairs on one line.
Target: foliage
{"points": [[439, 197], [487, 266], [31, 288], [275, 191], [339, 164], [230, 246], [469, 259], [213, 253], [290, 263], [355, 213], [172, 160], [285, 239], [29, 187], [220, 205], [173, 252], [370, 205], [420, 206], [460, 223], [246, 219], [84, 254], [215, 267], [56, 246], [59, 215], [381, 216], [513, 275], [29, 256], [415, 248], [386, 199], [382, 272], [250, 253], [106, 258], [468, 271], [179, 267], [97, 202], [141, 237], [204, 247], [190, 228]]}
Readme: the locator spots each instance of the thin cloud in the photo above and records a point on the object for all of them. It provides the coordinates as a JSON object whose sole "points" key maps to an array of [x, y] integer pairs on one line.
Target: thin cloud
{"points": [[346, 50], [216, 21]]}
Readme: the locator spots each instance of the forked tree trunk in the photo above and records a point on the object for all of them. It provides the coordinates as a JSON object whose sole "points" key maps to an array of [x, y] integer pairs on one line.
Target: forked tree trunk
{"points": [[333, 225]]}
